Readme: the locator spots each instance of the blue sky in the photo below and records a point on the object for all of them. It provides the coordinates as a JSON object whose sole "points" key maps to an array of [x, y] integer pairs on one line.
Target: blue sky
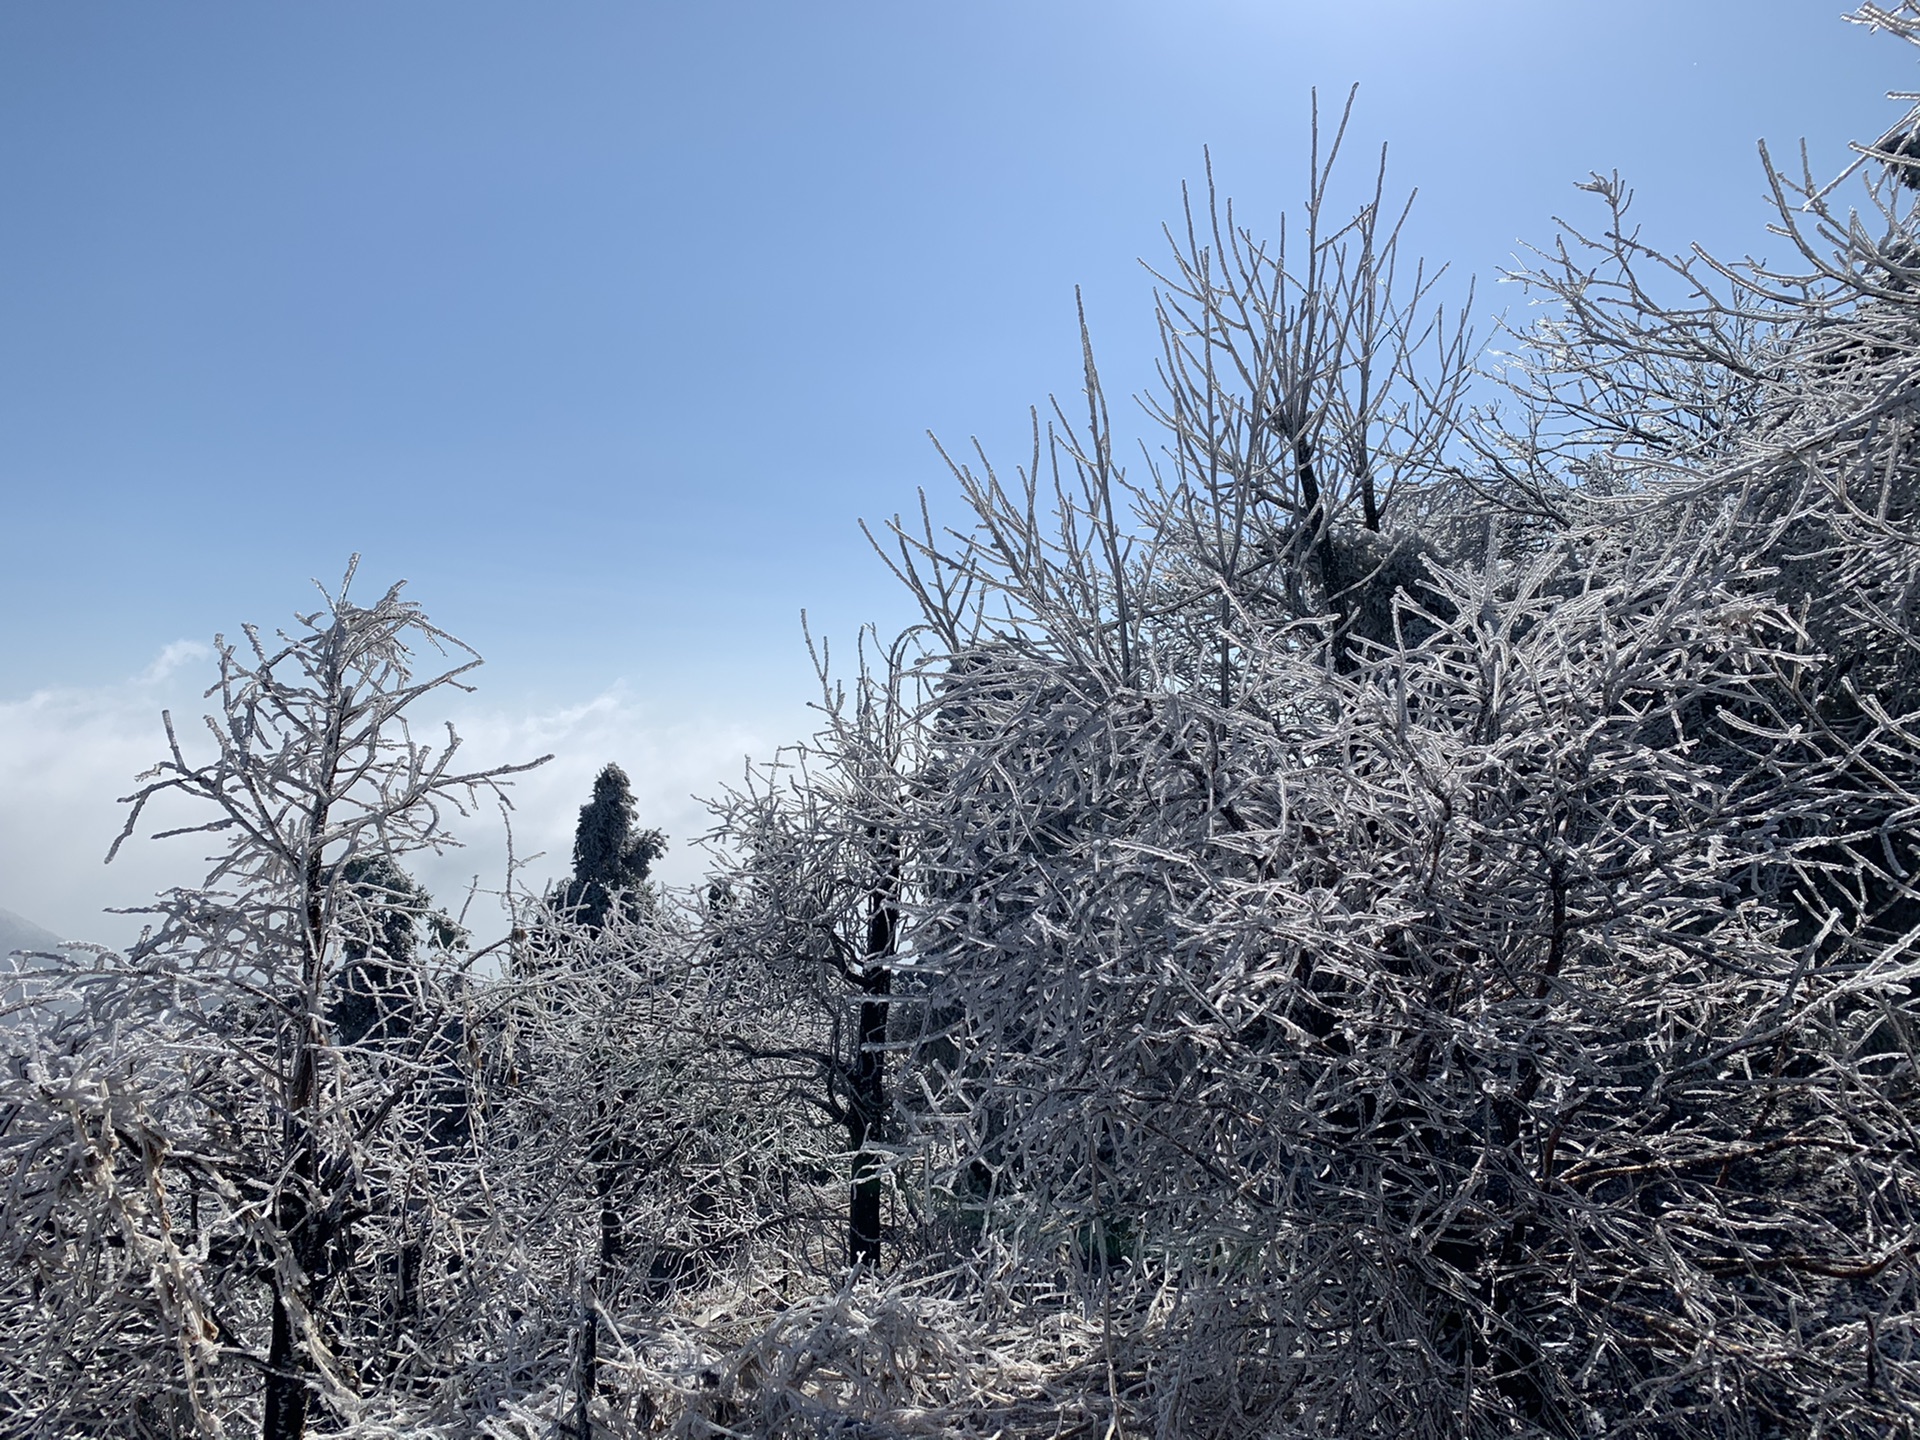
{"points": [[604, 323]]}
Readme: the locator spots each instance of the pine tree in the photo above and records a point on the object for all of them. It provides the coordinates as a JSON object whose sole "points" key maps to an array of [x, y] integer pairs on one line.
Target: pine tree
{"points": [[386, 908], [610, 857]]}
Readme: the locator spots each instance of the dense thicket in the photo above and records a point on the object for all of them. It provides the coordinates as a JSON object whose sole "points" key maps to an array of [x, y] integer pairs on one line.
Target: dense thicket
{"points": [[1392, 920]]}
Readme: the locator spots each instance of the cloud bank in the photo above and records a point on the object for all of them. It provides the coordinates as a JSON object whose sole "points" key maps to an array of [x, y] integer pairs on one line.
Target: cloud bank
{"points": [[67, 755]]}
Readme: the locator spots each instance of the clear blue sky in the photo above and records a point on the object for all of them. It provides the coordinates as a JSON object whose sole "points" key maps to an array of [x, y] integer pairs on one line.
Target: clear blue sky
{"points": [[603, 323]]}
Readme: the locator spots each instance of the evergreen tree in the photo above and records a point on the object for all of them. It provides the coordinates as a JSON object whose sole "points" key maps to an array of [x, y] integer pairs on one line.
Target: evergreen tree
{"points": [[385, 909], [609, 856]]}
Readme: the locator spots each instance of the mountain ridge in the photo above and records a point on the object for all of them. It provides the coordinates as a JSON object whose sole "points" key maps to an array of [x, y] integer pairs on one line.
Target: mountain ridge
{"points": [[19, 933]]}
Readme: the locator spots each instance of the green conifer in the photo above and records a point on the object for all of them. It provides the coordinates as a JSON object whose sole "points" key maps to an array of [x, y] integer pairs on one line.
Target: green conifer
{"points": [[610, 856]]}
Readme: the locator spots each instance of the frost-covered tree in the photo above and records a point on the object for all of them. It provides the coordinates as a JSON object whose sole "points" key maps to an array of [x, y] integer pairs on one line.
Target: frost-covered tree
{"points": [[811, 927], [638, 1153], [237, 1095], [1439, 962], [1386, 920], [611, 856]]}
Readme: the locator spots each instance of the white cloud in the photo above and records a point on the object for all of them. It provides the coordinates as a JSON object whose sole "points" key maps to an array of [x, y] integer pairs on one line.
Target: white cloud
{"points": [[66, 756], [172, 658]]}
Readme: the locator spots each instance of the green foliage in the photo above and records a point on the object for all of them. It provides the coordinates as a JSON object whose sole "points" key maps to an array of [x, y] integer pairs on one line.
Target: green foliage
{"points": [[385, 915], [611, 857]]}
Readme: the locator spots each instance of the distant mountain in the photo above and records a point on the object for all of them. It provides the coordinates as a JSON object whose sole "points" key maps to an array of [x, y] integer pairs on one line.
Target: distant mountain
{"points": [[19, 933]]}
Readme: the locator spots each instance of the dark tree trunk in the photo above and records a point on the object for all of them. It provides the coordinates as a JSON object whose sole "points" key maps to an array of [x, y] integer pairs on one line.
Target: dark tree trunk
{"points": [[287, 1396], [1319, 519], [612, 1227], [586, 1375], [867, 1101], [407, 1266], [586, 1370], [868, 1105], [289, 1392]]}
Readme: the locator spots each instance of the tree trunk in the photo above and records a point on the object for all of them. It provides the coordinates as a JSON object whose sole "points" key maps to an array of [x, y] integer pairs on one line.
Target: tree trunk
{"points": [[863, 1119], [867, 1102], [288, 1395], [285, 1415], [586, 1368], [586, 1374]]}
